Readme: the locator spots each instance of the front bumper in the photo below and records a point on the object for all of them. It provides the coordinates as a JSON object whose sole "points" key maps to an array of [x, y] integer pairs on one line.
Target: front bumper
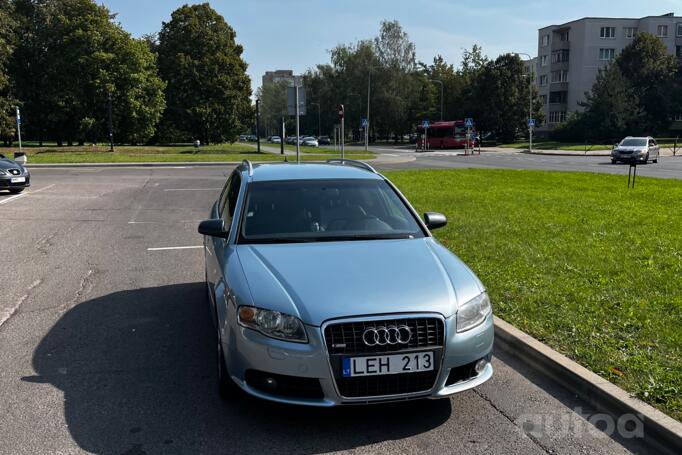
{"points": [[249, 354], [628, 157], [6, 182]]}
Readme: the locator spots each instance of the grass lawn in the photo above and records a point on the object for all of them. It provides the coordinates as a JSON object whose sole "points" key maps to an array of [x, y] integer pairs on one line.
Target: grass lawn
{"points": [[578, 261], [141, 154]]}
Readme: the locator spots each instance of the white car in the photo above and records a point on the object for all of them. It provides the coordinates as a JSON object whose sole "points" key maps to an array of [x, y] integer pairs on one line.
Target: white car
{"points": [[310, 142], [275, 140]]}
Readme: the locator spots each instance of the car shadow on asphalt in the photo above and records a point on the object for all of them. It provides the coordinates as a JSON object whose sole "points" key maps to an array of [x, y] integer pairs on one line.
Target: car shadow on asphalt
{"points": [[137, 370]]}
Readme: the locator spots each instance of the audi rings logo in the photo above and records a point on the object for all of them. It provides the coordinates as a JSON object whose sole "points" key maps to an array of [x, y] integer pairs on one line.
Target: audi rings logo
{"points": [[381, 336]]}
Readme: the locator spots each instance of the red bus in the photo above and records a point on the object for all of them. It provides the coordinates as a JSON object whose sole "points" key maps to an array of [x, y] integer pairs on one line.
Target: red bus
{"points": [[446, 135]]}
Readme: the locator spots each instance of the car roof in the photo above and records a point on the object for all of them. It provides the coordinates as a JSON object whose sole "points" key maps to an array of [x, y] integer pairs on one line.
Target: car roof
{"points": [[309, 171]]}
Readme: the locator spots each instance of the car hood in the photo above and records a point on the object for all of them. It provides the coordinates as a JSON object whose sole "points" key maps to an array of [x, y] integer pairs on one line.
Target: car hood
{"points": [[9, 164], [631, 149], [321, 281]]}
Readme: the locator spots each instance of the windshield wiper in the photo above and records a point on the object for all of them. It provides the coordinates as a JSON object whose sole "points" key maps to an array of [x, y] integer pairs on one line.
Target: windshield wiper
{"points": [[367, 237]]}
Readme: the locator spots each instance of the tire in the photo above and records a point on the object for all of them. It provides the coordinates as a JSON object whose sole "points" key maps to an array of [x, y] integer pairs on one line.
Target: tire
{"points": [[16, 190], [646, 159], [655, 161], [614, 161]]}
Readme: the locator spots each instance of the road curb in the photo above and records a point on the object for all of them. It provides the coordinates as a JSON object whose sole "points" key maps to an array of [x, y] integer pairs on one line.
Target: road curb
{"points": [[606, 153], [661, 432]]}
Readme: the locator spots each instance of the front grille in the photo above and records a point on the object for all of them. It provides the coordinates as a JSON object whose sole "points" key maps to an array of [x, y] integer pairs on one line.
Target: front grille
{"points": [[392, 384], [346, 337]]}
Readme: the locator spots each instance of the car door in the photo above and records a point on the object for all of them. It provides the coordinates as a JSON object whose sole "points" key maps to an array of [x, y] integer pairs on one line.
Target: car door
{"points": [[224, 251]]}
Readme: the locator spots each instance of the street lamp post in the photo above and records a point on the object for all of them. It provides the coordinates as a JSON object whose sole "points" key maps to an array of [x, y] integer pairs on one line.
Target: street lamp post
{"points": [[111, 125], [441, 96], [530, 100]]}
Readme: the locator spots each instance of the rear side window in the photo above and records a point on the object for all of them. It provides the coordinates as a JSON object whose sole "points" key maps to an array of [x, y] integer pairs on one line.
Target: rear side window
{"points": [[230, 201]]}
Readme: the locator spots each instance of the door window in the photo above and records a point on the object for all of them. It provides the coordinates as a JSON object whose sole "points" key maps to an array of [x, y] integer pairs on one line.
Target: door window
{"points": [[230, 202]]}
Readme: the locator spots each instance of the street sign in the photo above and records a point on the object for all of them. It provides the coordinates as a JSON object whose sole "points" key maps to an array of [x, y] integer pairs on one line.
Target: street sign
{"points": [[364, 123], [291, 100], [18, 117], [425, 124], [468, 122], [340, 110], [531, 122]]}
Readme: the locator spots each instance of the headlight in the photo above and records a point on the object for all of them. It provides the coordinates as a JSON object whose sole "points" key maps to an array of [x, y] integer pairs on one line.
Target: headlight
{"points": [[272, 323], [473, 312]]}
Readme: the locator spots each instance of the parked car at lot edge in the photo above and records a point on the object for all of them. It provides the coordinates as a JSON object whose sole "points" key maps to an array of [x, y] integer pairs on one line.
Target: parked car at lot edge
{"points": [[636, 150], [275, 140], [326, 288], [310, 142], [13, 176], [324, 140]]}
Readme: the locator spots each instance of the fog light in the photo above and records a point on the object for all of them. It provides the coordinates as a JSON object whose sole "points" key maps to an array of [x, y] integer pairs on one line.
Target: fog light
{"points": [[480, 366], [271, 383]]}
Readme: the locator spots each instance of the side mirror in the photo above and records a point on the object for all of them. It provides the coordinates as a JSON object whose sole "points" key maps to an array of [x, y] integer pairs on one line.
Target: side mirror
{"points": [[213, 228], [435, 220]]}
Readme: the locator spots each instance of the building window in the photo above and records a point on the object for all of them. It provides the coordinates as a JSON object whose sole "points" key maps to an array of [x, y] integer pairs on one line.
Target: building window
{"points": [[662, 31], [630, 32], [543, 99], [560, 56], [544, 41], [559, 76], [679, 29], [564, 36], [543, 60], [607, 54], [678, 51], [607, 32], [557, 116], [543, 80], [558, 97]]}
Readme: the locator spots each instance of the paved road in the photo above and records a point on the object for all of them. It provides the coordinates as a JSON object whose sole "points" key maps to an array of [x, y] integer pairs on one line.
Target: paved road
{"points": [[107, 346], [667, 167]]}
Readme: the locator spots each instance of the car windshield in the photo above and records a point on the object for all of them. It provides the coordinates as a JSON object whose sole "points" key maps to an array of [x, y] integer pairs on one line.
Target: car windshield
{"points": [[325, 210], [634, 142]]}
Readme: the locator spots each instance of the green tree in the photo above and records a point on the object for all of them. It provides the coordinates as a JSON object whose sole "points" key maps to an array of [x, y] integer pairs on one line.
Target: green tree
{"points": [[500, 98], [651, 72], [273, 106], [208, 91], [7, 102], [70, 59], [612, 109]]}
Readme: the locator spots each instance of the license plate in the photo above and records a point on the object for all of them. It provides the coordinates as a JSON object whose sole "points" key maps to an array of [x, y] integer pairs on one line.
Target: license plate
{"points": [[18, 179], [387, 364]]}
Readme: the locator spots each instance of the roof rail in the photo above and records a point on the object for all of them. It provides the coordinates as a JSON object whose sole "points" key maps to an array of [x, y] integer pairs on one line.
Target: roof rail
{"points": [[355, 163], [247, 164]]}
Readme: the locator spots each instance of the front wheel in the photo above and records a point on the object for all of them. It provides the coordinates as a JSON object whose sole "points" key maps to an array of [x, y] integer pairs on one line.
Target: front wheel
{"points": [[613, 161], [646, 159]]}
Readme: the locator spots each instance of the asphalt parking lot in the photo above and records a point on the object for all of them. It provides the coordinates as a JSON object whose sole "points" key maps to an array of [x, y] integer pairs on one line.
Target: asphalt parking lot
{"points": [[107, 344]]}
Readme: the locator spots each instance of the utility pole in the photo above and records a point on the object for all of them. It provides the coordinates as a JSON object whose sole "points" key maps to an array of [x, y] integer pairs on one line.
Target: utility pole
{"points": [[111, 125], [282, 137], [369, 88], [298, 131], [441, 97], [19, 129], [258, 123], [341, 111]]}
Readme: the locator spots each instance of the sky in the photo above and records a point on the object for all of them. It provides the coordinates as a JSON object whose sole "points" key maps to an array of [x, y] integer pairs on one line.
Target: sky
{"points": [[298, 34]]}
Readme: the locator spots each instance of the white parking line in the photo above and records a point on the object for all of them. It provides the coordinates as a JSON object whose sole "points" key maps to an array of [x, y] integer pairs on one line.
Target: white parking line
{"points": [[195, 247], [192, 189], [12, 198]]}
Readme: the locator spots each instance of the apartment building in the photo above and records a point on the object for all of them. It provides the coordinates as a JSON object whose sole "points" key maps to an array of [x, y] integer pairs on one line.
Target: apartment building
{"points": [[571, 54], [278, 75]]}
